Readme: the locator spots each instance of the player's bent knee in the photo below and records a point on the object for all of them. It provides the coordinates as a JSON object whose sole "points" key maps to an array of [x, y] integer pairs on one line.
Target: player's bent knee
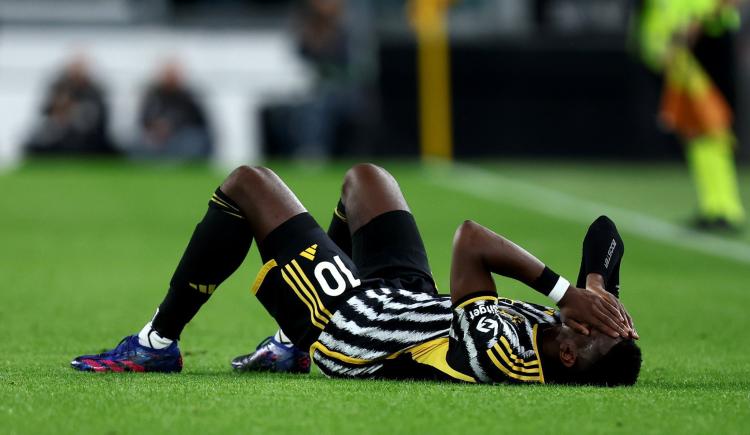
{"points": [[466, 233], [245, 179], [364, 170], [364, 173]]}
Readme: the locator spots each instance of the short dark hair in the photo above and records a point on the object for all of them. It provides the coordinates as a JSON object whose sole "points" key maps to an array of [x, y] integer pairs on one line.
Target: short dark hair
{"points": [[620, 366]]}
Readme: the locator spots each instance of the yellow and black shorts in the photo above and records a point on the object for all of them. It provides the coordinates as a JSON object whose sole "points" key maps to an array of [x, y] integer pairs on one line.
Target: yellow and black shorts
{"points": [[306, 276]]}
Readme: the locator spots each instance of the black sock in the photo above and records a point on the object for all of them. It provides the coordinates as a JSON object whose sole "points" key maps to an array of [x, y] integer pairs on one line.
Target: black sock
{"points": [[218, 246], [338, 231]]}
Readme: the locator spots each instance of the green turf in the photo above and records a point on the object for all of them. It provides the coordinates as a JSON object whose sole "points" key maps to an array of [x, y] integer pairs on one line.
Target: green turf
{"points": [[86, 250]]}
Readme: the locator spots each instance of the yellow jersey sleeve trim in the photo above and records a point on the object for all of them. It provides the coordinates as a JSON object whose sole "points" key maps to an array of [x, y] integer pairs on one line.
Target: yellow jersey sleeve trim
{"points": [[434, 353], [509, 364], [509, 351], [507, 371], [536, 351], [262, 275], [478, 298], [513, 366]]}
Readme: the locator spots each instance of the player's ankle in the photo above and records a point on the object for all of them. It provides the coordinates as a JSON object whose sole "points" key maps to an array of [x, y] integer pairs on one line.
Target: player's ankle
{"points": [[149, 337], [281, 338]]}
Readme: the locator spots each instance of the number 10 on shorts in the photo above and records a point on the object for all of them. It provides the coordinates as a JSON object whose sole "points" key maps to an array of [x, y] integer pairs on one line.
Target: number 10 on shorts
{"points": [[327, 273]]}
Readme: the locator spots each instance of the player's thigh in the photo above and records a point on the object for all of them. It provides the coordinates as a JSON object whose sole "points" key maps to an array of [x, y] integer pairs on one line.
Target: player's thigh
{"points": [[385, 238], [390, 247], [264, 199], [304, 277]]}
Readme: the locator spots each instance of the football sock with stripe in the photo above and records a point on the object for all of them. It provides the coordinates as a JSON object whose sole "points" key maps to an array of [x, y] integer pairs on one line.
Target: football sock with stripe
{"points": [[150, 338], [218, 246], [282, 338], [338, 230]]}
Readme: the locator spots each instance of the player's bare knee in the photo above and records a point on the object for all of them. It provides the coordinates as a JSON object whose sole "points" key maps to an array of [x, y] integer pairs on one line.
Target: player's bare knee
{"points": [[245, 179], [469, 235], [364, 173], [466, 232], [361, 170]]}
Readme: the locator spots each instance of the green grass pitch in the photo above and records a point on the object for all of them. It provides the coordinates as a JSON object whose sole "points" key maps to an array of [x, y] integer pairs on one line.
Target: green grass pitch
{"points": [[87, 249]]}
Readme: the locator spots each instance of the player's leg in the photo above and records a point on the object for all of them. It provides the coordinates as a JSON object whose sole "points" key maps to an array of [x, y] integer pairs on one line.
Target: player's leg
{"points": [[338, 229], [372, 215], [277, 353], [270, 208], [251, 202], [369, 191], [386, 242], [304, 277], [257, 201]]}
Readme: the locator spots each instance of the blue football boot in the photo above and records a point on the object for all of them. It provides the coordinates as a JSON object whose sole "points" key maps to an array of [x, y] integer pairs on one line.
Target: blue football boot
{"points": [[273, 356], [130, 356]]}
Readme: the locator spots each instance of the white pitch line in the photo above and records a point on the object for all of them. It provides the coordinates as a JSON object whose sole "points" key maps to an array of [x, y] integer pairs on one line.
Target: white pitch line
{"points": [[499, 189]]}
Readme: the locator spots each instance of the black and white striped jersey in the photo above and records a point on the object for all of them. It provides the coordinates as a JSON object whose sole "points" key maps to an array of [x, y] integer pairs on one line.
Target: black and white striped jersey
{"points": [[396, 333]]}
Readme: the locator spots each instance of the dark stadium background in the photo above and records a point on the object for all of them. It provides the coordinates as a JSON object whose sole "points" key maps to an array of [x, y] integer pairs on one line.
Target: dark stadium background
{"points": [[557, 78]]}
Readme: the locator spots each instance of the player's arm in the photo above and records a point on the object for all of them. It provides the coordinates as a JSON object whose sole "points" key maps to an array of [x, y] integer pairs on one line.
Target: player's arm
{"points": [[479, 252], [603, 250]]}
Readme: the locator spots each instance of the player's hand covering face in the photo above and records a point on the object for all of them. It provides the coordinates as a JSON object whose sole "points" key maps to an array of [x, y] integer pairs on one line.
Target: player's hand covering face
{"points": [[632, 333], [581, 308]]}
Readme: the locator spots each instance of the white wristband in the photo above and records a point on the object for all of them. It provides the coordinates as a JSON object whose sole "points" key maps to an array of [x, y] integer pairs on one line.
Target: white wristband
{"points": [[558, 291]]}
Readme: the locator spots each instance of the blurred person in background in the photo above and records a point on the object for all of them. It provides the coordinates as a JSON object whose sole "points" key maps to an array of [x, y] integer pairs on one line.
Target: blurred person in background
{"points": [[74, 116], [333, 38], [173, 123], [689, 42]]}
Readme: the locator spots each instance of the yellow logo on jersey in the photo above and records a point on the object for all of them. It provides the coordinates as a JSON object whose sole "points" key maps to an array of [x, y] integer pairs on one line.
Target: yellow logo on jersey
{"points": [[309, 253]]}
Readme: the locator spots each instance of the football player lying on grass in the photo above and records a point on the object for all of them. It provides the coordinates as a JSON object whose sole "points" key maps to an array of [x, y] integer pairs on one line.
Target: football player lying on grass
{"points": [[361, 298]]}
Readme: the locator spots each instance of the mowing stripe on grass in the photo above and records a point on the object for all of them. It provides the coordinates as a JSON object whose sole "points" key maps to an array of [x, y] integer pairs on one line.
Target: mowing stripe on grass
{"points": [[549, 202]]}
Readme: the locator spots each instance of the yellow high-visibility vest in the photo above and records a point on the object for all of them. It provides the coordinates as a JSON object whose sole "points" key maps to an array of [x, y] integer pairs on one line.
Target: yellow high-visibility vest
{"points": [[660, 20]]}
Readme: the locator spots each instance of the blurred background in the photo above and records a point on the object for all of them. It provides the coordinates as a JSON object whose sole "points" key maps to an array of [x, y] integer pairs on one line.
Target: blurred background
{"points": [[239, 80]]}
